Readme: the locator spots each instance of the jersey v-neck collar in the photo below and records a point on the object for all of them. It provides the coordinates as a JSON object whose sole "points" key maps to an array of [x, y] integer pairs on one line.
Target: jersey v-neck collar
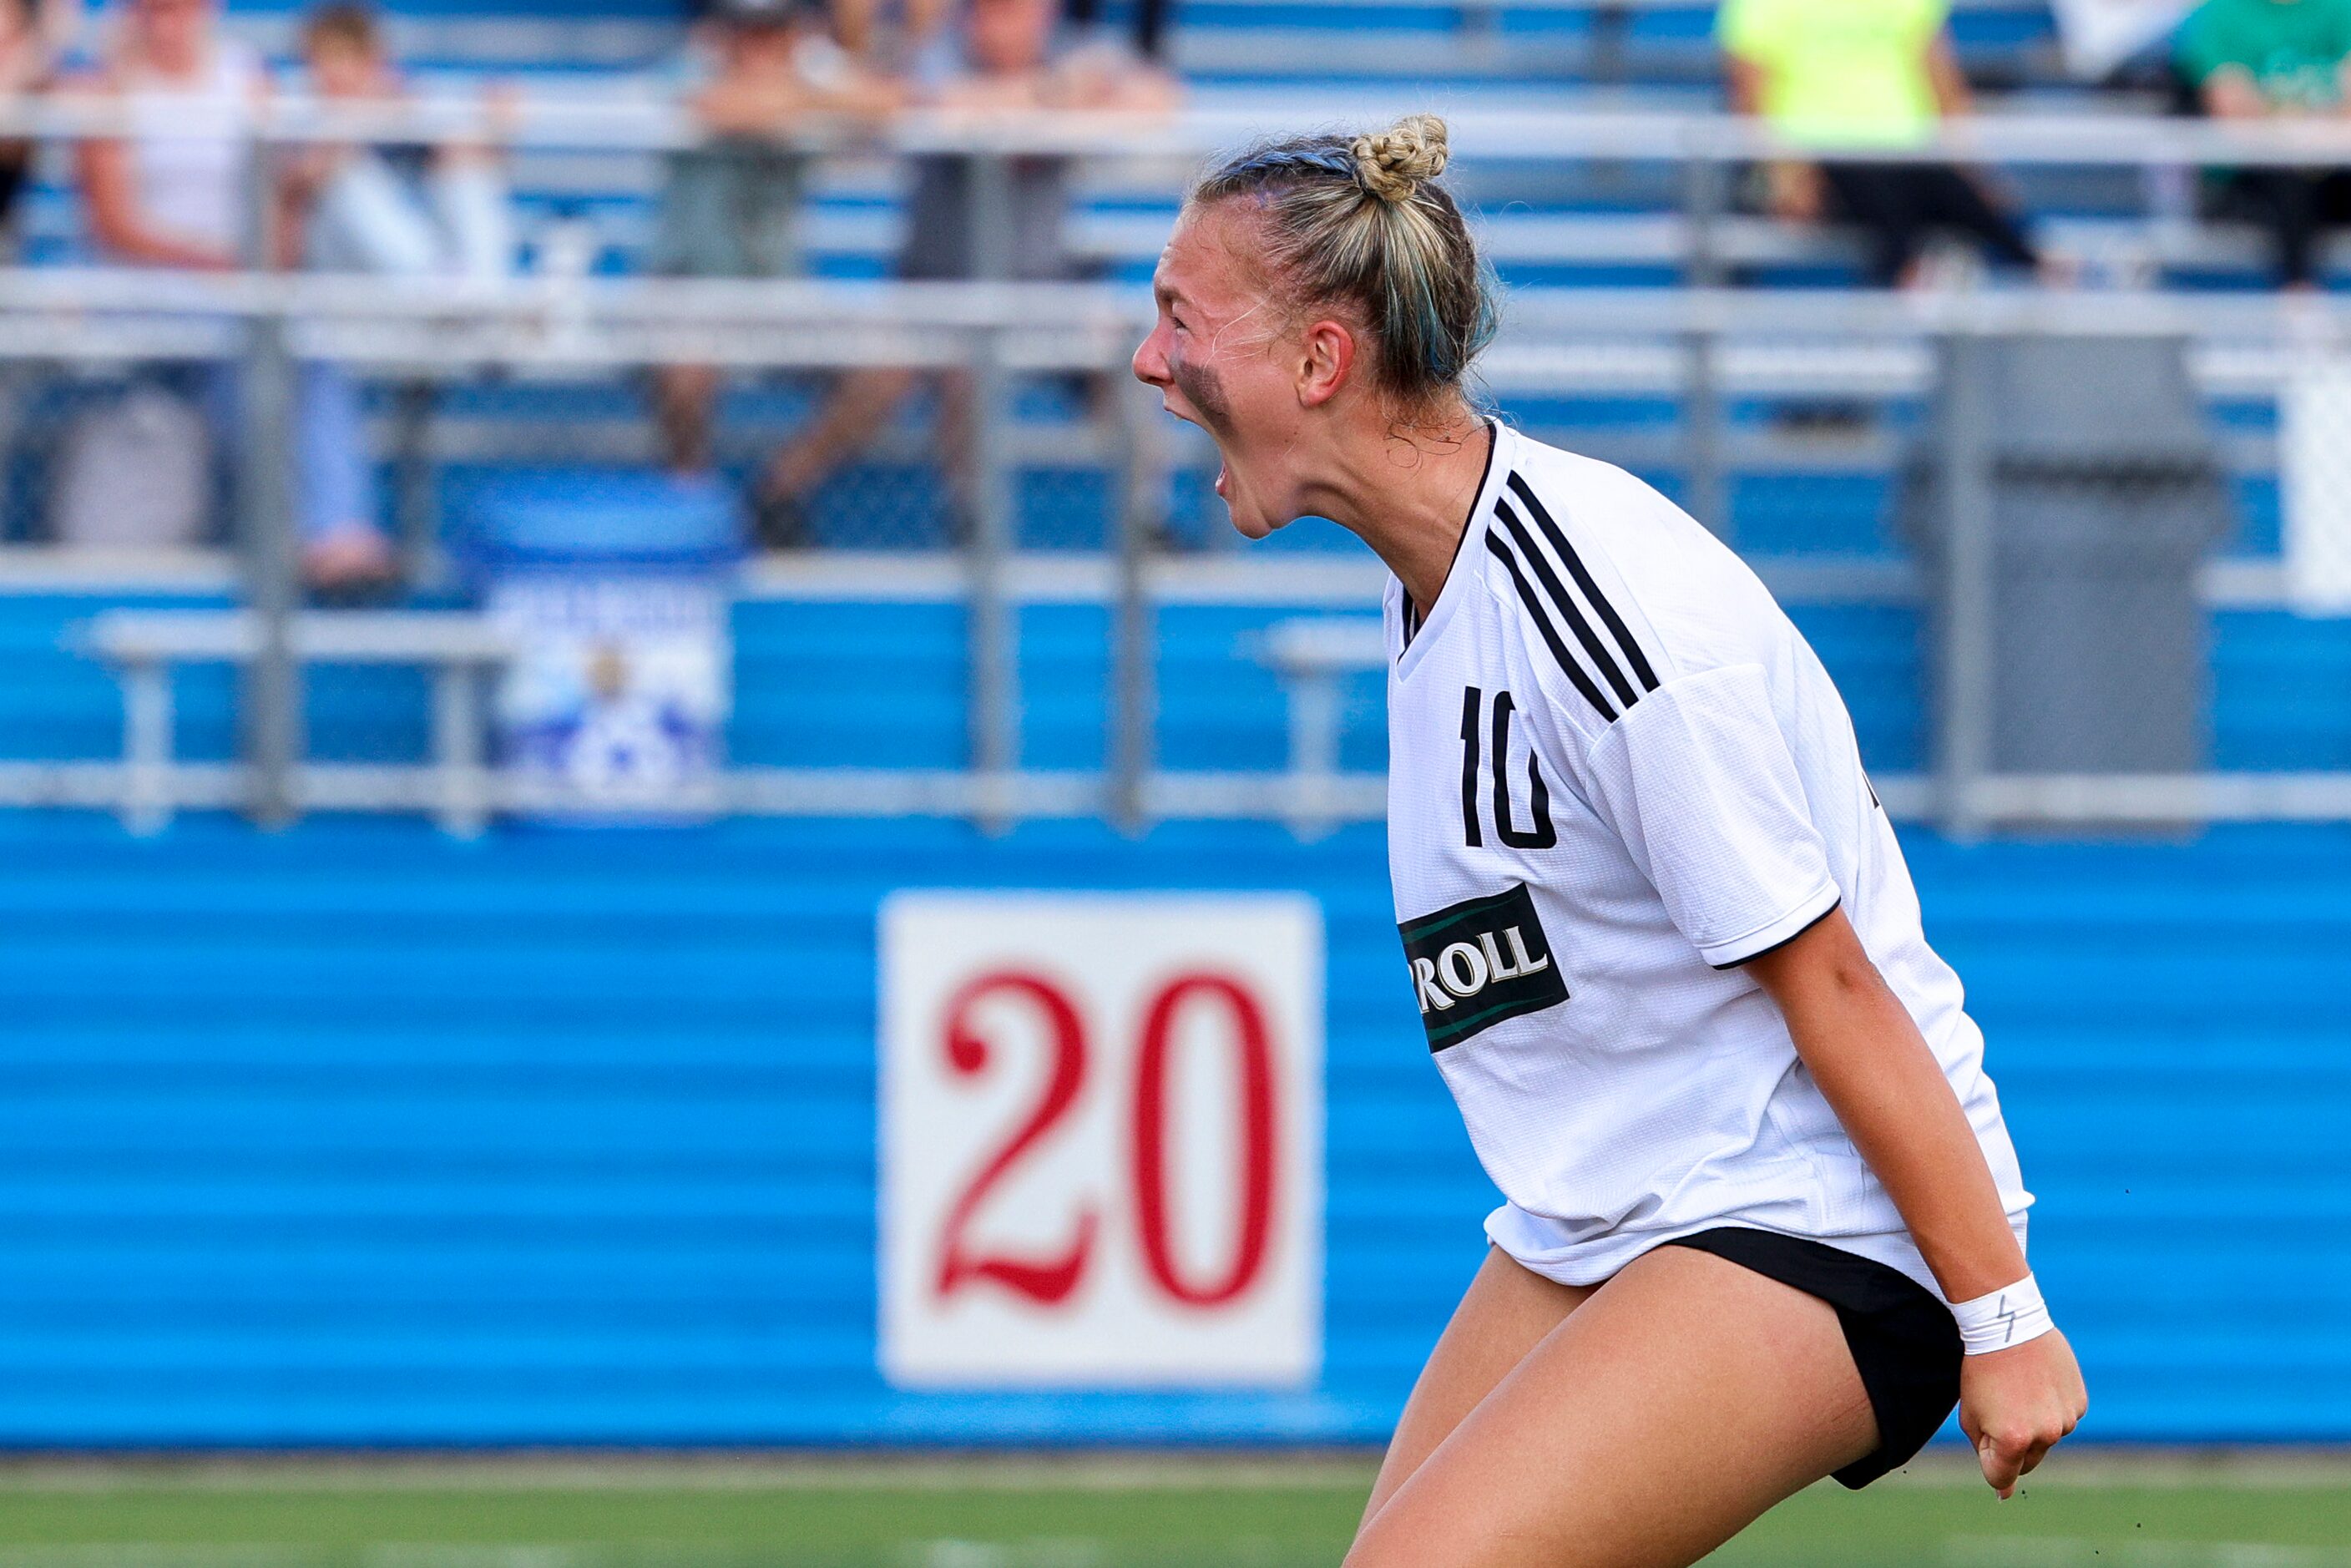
{"points": [[1468, 556]]}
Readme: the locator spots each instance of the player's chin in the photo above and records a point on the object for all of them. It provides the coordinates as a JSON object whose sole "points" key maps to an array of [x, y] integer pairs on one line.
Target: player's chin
{"points": [[1251, 518], [1250, 521]]}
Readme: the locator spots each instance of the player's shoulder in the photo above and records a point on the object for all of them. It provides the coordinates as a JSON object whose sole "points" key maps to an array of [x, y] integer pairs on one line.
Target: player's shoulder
{"points": [[1618, 591]]}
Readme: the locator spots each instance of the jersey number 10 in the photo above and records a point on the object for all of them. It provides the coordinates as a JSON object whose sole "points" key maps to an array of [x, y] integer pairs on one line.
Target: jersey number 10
{"points": [[1477, 730]]}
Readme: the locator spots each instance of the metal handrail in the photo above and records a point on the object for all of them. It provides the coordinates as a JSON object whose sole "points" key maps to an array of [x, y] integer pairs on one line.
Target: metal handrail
{"points": [[623, 121], [991, 319], [145, 648], [1085, 316], [1962, 6]]}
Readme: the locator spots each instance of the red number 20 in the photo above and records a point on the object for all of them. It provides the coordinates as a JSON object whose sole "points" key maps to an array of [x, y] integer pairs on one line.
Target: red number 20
{"points": [[1257, 1112], [1049, 1281]]}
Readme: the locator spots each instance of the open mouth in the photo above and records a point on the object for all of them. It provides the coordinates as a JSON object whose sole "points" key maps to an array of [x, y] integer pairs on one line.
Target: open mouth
{"points": [[1224, 470]]}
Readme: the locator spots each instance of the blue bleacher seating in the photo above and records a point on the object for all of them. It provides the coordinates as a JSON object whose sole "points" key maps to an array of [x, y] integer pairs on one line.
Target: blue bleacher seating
{"points": [[1334, 60]]}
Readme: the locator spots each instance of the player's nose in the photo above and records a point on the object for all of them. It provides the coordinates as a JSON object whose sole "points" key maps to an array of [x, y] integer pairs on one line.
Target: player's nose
{"points": [[1151, 358]]}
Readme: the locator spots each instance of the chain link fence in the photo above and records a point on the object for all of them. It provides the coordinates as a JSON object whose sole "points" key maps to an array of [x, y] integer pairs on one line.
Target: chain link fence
{"points": [[1005, 591]]}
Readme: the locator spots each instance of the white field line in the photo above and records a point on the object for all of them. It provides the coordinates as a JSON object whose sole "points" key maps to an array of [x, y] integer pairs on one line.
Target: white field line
{"points": [[1034, 1554], [1186, 1471], [2068, 1551], [161, 1554], [2167, 1469], [2251, 1469], [552, 1555], [1245, 1553], [403, 1554]]}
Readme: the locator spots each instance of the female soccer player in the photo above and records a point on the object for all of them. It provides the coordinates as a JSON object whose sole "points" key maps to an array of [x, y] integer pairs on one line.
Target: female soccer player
{"points": [[1763, 1223]]}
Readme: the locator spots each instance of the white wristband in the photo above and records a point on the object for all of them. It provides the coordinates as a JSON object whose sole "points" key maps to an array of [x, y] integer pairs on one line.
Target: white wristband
{"points": [[2006, 1317]]}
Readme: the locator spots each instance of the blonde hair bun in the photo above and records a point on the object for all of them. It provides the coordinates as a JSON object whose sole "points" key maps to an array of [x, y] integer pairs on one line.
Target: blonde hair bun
{"points": [[1361, 221], [1394, 164]]}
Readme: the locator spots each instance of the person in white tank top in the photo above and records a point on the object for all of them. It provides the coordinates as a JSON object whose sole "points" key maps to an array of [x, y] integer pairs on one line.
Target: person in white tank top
{"points": [[177, 192], [174, 192], [1758, 1227]]}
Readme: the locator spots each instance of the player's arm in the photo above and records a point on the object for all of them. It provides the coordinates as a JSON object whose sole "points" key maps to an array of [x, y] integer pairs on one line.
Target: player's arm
{"points": [[1793, 187], [1877, 1071], [1953, 96], [2230, 92], [119, 224], [1743, 84]]}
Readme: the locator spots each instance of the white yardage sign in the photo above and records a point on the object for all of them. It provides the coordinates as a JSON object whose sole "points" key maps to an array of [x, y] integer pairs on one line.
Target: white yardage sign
{"points": [[1102, 1141]]}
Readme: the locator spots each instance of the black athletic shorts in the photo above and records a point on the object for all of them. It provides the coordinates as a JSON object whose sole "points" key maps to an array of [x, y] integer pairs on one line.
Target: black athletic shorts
{"points": [[1903, 1340]]}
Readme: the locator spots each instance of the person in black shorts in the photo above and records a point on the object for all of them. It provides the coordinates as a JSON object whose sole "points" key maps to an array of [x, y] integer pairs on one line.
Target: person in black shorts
{"points": [[1900, 207], [1762, 1222], [2270, 60], [1836, 79]]}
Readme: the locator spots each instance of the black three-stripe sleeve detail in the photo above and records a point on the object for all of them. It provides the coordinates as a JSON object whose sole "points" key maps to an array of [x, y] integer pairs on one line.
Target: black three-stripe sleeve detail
{"points": [[1601, 659], [1542, 618], [1574, 563]]}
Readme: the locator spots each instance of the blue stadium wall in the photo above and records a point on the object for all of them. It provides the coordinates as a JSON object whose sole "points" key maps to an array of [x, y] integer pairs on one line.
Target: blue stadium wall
{"points": [[356, 1135]]}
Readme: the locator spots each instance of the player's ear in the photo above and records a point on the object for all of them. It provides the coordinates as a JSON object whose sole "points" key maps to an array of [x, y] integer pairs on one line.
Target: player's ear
{"points": [[1326, 358]]}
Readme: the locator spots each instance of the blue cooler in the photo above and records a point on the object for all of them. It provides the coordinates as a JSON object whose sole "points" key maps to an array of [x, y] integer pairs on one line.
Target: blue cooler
{"points": [[614, 589]]}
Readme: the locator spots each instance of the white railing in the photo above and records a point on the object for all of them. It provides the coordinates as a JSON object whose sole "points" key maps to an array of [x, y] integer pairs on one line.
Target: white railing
{"points": [[1690, 340], [628, 120], [606, 325]]}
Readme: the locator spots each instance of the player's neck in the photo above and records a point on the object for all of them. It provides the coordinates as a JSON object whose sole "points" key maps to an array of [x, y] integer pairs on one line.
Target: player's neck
{"points": [[1409, 499]]}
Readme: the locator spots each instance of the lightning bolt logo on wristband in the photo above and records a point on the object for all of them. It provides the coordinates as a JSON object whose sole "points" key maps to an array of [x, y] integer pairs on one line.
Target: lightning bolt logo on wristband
{"points": [[2011, 1315]]}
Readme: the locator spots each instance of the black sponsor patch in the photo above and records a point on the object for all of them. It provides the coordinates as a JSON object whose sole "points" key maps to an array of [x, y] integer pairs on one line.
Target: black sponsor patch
{"points": [[1478, 963]]}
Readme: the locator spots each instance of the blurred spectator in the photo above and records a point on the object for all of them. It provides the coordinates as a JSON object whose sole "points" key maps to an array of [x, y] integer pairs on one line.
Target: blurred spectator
{"points": [[411, 212], [33, 36], [174, 192], [860, 23], [408, 212], [2262, 59], [731, 207], [1000, 59], [1151, 21], [857, 26], [1836, 75]]}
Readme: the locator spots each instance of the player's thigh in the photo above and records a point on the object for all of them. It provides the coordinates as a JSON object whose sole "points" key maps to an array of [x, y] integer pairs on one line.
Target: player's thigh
{"points": [[1685, 1399], [1507, 1311]]}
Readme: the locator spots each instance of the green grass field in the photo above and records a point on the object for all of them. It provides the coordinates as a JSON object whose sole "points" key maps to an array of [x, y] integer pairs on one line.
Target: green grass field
{"points": [[1134, 1512]]}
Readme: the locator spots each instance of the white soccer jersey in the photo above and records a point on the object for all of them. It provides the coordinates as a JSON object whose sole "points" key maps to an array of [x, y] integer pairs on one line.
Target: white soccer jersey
{"points": [[1617, 772]]}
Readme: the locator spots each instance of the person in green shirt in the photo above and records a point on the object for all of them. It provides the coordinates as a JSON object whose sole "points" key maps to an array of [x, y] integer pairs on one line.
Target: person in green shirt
{"points": [[2270, 59], [1852, 75]]}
